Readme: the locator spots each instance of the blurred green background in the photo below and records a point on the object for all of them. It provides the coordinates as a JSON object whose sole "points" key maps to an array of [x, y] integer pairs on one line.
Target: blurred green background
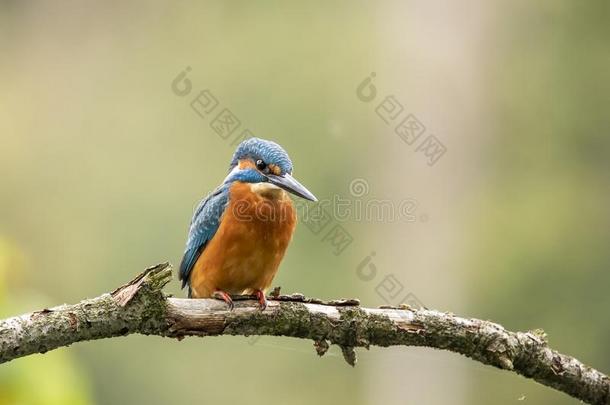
{"points": [[101, 165]]}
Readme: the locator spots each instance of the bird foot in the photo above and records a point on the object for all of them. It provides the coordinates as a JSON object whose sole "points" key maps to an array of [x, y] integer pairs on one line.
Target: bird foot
{"points": [[262, 300], [221, 295]]}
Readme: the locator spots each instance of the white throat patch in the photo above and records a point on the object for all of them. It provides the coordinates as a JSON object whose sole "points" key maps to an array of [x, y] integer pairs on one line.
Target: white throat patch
{"points": [[266, 190]]}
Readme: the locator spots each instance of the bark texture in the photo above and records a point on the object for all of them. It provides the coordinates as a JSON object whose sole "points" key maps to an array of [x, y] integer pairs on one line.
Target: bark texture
{"points": [[141, 307]]}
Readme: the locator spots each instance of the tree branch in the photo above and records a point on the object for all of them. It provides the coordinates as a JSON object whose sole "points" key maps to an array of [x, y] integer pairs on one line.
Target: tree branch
{"points": [[141, 307]]}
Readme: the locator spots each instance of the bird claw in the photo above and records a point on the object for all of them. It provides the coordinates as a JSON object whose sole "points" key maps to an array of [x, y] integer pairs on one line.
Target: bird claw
{"points": [[262, 300], [221, 295]]}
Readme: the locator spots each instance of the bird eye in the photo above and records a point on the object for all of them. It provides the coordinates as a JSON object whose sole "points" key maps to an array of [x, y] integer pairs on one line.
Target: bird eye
{"points": [[260, 165]]}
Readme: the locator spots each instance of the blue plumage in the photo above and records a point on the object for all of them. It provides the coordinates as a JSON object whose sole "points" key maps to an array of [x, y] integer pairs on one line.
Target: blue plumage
{"points": [[204, 225], [270, 152]]}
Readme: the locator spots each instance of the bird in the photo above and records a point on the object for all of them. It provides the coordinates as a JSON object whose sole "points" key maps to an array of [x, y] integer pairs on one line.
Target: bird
{"points": [[239, 232]]}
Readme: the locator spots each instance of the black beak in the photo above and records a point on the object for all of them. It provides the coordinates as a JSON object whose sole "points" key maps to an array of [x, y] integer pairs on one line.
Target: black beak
{"points": [[290, 184]]}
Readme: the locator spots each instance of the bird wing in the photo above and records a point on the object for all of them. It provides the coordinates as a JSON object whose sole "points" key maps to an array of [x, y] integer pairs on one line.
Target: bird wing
{"points": [[204, 225]]}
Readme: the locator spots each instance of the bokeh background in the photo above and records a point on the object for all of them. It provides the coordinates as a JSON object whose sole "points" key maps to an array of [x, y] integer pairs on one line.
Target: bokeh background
{"points": [[101, 164]]}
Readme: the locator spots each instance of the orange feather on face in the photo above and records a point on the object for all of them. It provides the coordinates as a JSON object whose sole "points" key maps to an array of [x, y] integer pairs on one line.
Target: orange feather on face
{"points": [[246, 251]]}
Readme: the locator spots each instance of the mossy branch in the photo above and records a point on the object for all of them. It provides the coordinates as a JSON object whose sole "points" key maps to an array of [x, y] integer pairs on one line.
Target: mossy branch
{"points": [[141, 307]]}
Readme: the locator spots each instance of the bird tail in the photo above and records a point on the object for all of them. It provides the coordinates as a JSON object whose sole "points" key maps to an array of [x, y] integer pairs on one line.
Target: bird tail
{"points": [[186, 265]]}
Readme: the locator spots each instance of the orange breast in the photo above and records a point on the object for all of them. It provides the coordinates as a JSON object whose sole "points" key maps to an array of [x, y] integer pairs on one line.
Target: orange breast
{"points": [[246, 251]]}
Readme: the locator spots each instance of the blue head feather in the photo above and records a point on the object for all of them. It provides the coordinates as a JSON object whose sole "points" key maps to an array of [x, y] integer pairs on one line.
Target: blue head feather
{"points": [[246, 176], [268, 151]]}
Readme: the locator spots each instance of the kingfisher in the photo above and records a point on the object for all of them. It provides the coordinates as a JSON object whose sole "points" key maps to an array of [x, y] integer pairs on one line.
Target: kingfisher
{"points": [[240, 231]]}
